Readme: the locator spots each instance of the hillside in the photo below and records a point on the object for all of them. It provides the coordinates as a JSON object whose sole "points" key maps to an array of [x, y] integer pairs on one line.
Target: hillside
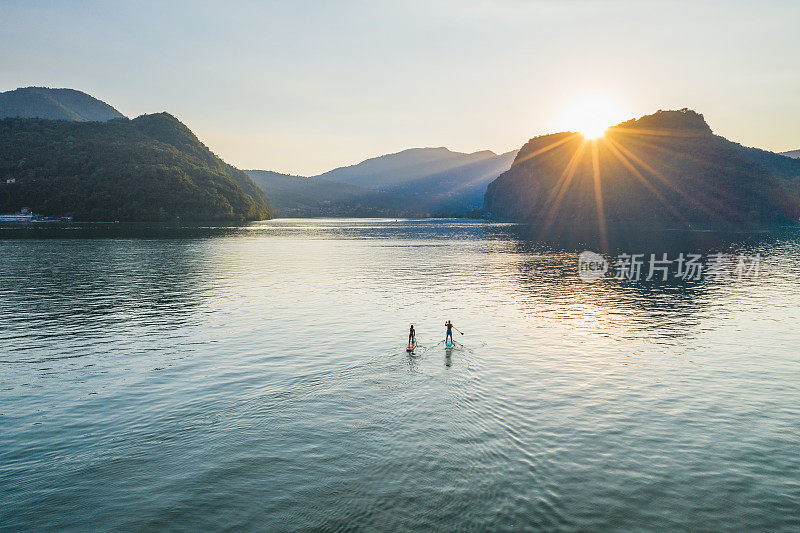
{"points": [[301, 196], [414, 182], [794, 154], [391, 170], [55, 104], [458, 188], [151, 168], [662, 170]]}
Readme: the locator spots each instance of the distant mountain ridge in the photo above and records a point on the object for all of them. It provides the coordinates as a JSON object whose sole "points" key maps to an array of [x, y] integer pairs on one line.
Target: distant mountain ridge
{"points": [[413, 182], [394, 169], [667, 169], [55, 104], [302, 196], [63, 151]]}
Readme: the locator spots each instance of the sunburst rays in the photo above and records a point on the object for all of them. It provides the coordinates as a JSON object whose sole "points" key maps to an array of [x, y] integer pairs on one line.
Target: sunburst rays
{"points": [[598, 195], [614, 143]]}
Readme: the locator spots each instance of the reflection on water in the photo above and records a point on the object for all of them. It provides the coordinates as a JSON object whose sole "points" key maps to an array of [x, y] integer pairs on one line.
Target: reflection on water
{"points": [[256, 377], [89, 292]]}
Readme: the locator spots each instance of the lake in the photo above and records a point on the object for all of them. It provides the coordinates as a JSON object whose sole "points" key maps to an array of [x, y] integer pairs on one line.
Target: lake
{"points": [[256, 378]]}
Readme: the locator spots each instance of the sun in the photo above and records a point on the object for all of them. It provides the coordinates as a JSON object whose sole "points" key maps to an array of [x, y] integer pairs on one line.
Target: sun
{"points": [[593, 130], [592, 115]]}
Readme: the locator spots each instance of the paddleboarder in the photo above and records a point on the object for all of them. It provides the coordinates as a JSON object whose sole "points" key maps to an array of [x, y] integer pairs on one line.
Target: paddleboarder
{"points": [[412, 336], [449, 335]]}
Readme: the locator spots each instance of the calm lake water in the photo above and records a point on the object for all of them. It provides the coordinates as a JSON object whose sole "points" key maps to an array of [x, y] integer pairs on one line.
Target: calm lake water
{"points": [[256, 378]]}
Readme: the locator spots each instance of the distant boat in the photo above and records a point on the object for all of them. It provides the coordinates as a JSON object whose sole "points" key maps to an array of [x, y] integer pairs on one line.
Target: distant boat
{"points": [[18, 217], [27, 216]]}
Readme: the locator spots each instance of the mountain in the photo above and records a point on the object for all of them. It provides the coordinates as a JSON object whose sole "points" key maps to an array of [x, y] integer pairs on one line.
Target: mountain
{"points": [[392, 170], [151, 168], [55, 104], [414, 182], [454, 185], [794, 154], [428, 179], [662, 170], [302, 196]]}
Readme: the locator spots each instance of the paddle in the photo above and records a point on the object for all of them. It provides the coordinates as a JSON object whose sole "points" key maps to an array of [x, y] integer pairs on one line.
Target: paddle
{"points": [[458, 330]]}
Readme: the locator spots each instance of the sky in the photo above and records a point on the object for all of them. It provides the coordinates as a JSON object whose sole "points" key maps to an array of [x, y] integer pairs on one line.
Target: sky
{"points": [[305, 86]]}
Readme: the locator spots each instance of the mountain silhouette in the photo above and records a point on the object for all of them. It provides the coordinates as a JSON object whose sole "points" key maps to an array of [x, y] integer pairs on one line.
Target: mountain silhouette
{"points": [[55, 104], [414, 182], [302, 196], [392, 170], [667, 169]]}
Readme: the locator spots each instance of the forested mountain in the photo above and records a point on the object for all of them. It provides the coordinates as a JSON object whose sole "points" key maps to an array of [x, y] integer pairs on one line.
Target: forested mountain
{"points": [[391, 170], [456, 189], [151, 168], [302, 196], [415, 182], [55, 104], [666, 170]]}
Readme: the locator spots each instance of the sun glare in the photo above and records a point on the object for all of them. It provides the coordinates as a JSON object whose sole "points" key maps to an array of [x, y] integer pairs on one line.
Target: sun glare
{"points": [[593, 130], [591, 116]]}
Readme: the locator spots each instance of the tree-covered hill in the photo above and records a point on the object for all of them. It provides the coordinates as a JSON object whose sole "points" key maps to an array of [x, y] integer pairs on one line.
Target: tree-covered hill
{"points": [[302, 196], [392, 171], [662, 170], [55, 104], [151, 168], [418, 182]]}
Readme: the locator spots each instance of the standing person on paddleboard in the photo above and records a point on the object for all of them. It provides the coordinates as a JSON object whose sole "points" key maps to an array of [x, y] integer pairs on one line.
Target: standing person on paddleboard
{"points": [[449, 334], [412, 336]]}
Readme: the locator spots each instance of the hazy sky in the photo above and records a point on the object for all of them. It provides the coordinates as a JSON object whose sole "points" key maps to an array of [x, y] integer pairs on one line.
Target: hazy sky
{"points": [[305, 86]]}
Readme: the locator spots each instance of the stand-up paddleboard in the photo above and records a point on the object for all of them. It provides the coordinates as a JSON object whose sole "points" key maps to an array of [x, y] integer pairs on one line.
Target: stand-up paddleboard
{"points": [[448, 344], [411, 347]]}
